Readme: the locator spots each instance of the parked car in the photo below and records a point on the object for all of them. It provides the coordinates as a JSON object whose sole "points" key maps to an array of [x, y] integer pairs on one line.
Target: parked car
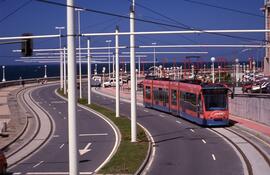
{"points": [[3, 163], [247, 87]]}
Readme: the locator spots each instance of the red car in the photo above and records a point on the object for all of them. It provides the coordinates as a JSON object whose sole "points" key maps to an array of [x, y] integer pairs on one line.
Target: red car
{"points": [[3, 163]]}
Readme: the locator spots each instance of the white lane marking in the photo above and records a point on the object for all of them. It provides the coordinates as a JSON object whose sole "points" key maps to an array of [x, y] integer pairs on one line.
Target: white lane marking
{"points": [[79, 110], [56, 136], [49, 104], [85, 149], [59, 112], [178, 122], [192, 130], [55, 173], [54, 108], [213, 156], [203, 141], [17, 173], [98, 134], [62, 146], [145, 110], [162, 115], [38, 164]]}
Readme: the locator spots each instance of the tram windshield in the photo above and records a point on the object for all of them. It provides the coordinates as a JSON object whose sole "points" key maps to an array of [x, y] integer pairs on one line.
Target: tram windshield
{"points": [[215, 99]]}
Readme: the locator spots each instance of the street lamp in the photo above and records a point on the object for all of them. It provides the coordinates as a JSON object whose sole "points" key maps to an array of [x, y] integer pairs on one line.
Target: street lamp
{"points": [[80, 59], [160, 71], [213, 69], [45, 71], [192, 71], [61, 56], [236, 71], [103, 72], [154, 58], [4, 79], [109, 55], [96, 69], [125, 67], [219, 67]]}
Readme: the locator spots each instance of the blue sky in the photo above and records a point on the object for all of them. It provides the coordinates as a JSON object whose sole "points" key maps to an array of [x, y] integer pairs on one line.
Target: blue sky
{"points": [[41, 18]]}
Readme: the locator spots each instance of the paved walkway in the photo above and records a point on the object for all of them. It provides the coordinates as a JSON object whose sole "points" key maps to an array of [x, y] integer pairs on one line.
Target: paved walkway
{"points": [[12, 114], [257, 127]]}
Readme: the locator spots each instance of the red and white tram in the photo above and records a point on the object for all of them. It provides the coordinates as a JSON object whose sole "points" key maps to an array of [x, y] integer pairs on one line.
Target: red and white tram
{"points": [[202, 103]]}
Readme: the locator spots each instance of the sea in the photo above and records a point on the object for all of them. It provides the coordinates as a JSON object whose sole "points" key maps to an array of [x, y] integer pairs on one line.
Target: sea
{"points": [[14, 72]]}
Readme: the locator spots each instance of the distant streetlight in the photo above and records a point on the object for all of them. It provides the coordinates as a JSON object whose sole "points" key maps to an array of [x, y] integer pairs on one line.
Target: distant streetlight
{"points": [[213, 69], [103, 72], [4, 79], [192, 71], [219, 73], [96, 69], [125, 67], [160, 71], [45, 71], [154, 58], [236, 71], [109, 56]]}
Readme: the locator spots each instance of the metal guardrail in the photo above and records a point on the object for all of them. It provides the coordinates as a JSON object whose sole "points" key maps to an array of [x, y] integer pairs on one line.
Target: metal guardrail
{"points": [[253, 95]]}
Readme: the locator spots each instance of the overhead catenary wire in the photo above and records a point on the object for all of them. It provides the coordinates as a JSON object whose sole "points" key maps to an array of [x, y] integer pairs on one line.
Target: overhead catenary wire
{"points": [[14, 11], [224, 8], [147, 21]]}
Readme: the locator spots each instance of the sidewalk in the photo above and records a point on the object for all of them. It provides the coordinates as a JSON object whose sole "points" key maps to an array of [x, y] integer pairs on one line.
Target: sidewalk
{"points": [[251, 125], [12, 114]]}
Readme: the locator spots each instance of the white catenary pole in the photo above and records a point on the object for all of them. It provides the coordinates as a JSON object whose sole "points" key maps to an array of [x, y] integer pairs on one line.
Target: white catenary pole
{"points": [[109, 57], [117, 95], [154, 58], [80, 57], [61, 57], [133, 78], [72, 100], [65, 72], [4, 79], [89, 71]]}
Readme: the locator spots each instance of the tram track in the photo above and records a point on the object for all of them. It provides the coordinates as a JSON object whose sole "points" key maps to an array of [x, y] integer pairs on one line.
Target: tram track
{"points": [[26, 93], [246, 158]]}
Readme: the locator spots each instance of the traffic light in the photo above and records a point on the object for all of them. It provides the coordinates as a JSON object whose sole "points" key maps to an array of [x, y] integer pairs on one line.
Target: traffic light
{"points": [[27, 45]]}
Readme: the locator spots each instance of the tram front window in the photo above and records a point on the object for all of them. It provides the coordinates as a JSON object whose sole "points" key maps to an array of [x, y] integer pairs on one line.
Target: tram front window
{"points": [[215, 100]]}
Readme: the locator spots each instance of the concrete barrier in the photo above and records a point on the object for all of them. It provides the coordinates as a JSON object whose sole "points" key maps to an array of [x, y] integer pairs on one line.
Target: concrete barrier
{"points": [[254, 108]]}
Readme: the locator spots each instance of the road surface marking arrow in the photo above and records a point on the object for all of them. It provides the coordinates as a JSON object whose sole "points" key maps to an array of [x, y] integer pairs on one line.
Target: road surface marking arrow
{"points": [[85, 150]]}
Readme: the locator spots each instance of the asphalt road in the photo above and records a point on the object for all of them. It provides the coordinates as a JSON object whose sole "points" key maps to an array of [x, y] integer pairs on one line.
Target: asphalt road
{"points": [[181, 147], [96, 135]]}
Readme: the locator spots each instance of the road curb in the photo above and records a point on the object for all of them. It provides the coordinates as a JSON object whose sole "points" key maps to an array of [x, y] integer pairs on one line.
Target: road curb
{"points": [[151, 150]]}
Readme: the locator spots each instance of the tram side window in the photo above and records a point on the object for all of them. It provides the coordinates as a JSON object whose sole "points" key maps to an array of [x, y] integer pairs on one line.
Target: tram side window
{"points": [[165, 96], [156, 96], [160, 94], [148, 92], [174, 96], [190, 97]]}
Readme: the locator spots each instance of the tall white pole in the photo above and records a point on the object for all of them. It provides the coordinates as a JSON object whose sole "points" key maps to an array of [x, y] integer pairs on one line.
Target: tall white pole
{"points": [[4, 79], [80, 58], [89, 71], [72, 100], [113, 66], [45, 71], [133, 77], [117, 95], [109, 57], [65, 72], [154, 58], [61, 57]]}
